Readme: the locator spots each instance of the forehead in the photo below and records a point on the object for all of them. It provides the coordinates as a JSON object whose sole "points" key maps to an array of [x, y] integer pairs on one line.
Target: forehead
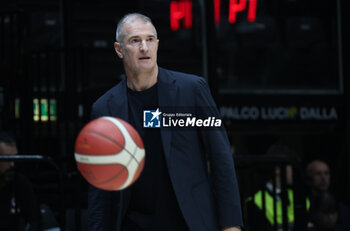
{"points": [[138, 28], [320, 167], [7, 149]]}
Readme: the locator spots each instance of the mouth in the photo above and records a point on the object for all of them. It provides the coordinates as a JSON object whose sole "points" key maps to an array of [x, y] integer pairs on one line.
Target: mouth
{"points": [[144, 58]]}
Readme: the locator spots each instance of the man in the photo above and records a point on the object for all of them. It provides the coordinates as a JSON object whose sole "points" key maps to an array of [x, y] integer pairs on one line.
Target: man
{"points": [[260, 207], [323, 214], [173, 191], [318, 176], [321, 200], [18, 206]]}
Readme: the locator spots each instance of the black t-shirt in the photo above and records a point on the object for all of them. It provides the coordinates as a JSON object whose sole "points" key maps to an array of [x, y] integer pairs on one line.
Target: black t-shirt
{"points": [[153, 205]]}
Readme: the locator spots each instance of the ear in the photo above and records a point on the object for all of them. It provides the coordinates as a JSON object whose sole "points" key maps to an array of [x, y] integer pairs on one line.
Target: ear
{"points": [[118, 49]]}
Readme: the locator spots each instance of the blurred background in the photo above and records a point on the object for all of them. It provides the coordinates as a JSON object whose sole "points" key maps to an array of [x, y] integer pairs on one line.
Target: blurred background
{"points": [[275, 68]]}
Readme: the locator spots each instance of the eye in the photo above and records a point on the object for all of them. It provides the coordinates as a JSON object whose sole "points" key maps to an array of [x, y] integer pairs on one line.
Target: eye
{"points": [[135, 41]]}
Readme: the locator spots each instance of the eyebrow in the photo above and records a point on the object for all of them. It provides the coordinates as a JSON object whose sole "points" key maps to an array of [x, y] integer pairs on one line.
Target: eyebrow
{"points": [[137, 36]]}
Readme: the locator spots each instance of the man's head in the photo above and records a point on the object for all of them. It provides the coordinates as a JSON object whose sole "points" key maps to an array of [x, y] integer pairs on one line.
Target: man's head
{"points": [[318, 176], [324, 211], [7, 147], [137, 43], [283, 150]]}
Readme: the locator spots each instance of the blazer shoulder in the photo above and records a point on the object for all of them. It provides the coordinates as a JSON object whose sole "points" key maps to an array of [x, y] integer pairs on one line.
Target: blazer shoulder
{"points": [[185, 78], [105, 96], [100, 104]]}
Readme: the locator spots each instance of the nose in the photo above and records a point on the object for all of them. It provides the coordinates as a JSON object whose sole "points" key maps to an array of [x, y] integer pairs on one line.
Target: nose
{"points": [[143, 46]]}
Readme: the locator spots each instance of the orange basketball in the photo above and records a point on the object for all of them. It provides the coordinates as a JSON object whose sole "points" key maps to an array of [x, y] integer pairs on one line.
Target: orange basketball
{"points": [[109, 153]]}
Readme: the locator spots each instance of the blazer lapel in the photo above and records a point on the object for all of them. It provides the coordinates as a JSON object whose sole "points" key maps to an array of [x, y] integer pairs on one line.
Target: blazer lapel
{"points": [[118, 102], [167, 93]]}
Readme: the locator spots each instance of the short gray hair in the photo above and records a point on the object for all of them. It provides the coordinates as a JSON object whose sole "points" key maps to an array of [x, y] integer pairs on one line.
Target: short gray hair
{"points": [[119, 35]]}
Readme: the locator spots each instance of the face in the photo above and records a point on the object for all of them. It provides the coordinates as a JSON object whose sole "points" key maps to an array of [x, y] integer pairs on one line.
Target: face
{"points": [[139, 47], [319, 176], [289, 174], [8, 150]]}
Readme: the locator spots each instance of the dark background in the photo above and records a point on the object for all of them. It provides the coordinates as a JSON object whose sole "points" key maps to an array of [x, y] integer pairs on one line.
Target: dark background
{"points": [[290, 58]]}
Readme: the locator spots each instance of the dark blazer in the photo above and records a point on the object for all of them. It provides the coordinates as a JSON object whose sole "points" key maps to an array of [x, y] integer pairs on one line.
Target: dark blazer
{"points": [[207, 203]]}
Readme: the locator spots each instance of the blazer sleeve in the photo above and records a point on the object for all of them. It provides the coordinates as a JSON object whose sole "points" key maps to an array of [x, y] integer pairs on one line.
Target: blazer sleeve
{"points": [[217, 148], [102, 205], [102, 214]]}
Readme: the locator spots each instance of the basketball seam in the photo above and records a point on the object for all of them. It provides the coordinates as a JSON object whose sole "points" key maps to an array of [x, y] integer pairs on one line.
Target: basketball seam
{"points": [[115, 176], [115, 142]]}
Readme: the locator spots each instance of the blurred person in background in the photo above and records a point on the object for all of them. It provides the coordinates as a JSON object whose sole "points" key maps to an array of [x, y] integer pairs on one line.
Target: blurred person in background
{"points": [[18, 206], [326, 212], [261, 220], [318, 177]]}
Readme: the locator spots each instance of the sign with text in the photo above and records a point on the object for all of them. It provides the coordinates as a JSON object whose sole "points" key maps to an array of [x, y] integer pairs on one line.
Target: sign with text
{"points": [[182, 11], [280, 113]]}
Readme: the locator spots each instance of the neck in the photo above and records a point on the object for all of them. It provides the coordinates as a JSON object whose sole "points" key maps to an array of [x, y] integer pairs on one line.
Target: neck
{"points": [[141, 81]]}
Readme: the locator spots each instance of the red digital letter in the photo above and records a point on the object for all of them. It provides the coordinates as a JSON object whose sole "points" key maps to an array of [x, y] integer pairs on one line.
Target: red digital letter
{"points": [[187, 6], [235, 7], [180, 10], [251, 11], [217, 6]]}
